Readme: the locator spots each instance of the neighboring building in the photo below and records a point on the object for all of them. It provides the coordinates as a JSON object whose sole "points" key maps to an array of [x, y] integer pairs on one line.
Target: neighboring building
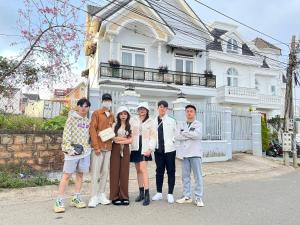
{"points": [[12, 102], [245, 79], [157, 57], [75, 94], [52, 108], [32, 105]]}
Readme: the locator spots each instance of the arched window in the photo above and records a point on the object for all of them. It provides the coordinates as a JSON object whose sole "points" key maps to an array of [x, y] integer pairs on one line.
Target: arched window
{"points": [[232, 46], [232, 77]]}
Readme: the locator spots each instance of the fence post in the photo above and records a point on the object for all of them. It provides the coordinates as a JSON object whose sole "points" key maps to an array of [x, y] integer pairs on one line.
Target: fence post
{"points": [[130, 99], [227, 131], [179, 108], [256, 133]]}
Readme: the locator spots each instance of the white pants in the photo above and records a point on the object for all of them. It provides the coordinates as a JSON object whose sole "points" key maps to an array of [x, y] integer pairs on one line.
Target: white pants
{"points": [[100, 170]]}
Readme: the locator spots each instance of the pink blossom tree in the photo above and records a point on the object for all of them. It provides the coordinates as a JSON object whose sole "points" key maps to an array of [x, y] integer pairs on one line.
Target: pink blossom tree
{"points": [[53, 39]]}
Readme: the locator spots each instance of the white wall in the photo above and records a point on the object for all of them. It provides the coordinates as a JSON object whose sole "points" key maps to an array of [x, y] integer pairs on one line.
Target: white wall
{"points": [[12, 103]]}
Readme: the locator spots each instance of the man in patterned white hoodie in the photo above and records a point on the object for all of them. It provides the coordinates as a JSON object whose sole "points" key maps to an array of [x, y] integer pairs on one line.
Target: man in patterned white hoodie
{"points": [[77, 150]]}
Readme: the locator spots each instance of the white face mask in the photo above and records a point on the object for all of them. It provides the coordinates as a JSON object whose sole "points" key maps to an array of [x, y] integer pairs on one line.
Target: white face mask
{"points": [[106, 104]]}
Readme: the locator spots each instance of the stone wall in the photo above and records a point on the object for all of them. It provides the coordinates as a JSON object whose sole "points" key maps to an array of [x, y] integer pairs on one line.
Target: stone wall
{"points": [[39, 150]]}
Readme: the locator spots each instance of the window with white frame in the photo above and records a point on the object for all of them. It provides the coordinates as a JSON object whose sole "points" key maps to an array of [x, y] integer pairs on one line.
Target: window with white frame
{"points": [[232, 46], [184, 63], [132, 56], [273, 90], [256, 85], [232, 77]]}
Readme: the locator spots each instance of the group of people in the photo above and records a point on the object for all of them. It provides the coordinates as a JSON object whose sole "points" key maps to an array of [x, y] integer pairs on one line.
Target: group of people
{"points": [[111, 143]]}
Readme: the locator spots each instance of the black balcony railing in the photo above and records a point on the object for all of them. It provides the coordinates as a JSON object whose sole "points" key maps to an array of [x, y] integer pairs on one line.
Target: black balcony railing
{"points": [[147, 74]]}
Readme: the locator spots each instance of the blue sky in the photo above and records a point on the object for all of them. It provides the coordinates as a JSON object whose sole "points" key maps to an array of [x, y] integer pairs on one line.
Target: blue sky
{"points": [[275, 17]]}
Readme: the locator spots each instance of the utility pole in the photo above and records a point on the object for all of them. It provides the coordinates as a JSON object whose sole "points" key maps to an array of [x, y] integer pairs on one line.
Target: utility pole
{"points": [[288, 124]]}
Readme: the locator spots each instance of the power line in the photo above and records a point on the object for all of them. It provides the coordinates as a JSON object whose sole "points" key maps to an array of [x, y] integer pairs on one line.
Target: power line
{"points": [[10, 35], [189, 26], [143, 16], [237, 21], [196, 18]]}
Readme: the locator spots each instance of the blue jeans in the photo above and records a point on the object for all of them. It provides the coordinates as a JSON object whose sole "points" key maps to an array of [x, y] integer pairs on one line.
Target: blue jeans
{"points": [[188, 164]]}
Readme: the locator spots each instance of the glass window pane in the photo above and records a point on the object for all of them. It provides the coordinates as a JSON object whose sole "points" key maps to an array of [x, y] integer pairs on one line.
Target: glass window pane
{"points": [[179, 65], [189, 66], [273, 90], [228, 81], [126, 58], [139, 60], [235, 82]]}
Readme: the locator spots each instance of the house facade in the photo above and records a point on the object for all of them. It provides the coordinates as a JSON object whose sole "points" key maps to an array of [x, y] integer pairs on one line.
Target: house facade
{"points": [[162, 49], [248, 74], [140, 45]]}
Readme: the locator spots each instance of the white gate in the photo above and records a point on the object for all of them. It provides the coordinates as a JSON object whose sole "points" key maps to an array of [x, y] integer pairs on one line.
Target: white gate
{"points": [[241, 131]]}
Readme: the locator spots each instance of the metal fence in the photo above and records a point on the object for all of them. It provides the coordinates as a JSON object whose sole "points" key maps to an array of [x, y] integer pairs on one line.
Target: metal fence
{"points": [[241, 125]]}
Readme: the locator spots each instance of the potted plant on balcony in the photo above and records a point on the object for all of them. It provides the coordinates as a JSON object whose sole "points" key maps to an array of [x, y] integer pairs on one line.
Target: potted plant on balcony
{"points": [[208, 73], [163, 69], [115, 67]]}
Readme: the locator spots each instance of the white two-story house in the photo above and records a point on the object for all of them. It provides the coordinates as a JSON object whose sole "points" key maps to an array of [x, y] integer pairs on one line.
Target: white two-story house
{"points": [[157, 47], [246, 79]]}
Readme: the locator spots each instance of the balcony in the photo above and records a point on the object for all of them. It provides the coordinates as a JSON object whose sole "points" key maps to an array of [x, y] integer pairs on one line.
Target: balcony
{"points": [[143, 74], [240, 95], [247, 96], [269, 101]]}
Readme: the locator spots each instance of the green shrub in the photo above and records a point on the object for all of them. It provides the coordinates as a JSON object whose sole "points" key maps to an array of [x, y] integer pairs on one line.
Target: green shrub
{"points": [[56, 123], [65, 111], [20, 122], [264, 134]]}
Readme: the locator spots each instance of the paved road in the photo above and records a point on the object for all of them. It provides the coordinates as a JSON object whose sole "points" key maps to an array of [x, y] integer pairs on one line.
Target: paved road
{"points": [[274, 201]]}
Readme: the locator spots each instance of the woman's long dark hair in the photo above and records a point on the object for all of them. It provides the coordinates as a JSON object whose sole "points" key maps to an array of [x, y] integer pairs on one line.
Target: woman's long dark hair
{"points": [[127, 124], [146, 117]]}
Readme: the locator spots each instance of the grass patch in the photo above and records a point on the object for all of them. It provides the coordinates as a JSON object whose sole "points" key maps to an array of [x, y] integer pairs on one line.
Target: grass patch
{"points": [[13, 176]]}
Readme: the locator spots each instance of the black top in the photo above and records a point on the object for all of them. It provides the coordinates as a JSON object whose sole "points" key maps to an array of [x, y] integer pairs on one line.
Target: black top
{"points": [[161, 141]]}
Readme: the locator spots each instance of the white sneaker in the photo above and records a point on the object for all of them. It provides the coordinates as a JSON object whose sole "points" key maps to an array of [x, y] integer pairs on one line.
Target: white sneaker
{"points": [[157, 196], [102, 199], [93, 202], [199, 202], [170, 198], [184, 200]]}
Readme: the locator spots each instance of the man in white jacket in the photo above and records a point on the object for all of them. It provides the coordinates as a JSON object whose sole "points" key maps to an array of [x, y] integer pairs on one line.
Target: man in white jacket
{"points": [[189, 135], [165, 153]]}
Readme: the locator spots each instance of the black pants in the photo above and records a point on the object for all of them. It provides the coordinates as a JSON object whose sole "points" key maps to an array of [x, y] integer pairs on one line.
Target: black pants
{"points": [[165, 161]]}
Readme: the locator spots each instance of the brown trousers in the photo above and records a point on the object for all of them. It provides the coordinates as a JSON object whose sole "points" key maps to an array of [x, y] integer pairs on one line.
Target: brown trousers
{"points": [[119, 172]]}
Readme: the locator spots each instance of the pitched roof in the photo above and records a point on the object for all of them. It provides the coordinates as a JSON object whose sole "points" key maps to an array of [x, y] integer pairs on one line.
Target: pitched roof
{"points": [[170, 15], [265, 64], [92, 10], [246, 50], [215, 45], [33, 97], [261, 43], [217, 33], [187, 33]]}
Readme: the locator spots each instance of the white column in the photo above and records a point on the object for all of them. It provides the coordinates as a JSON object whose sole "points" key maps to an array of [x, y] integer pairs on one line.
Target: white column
{"points": [[130, 99], [256, 133], [111, 45], [159, 54], [227, 131], [179, 108]]}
